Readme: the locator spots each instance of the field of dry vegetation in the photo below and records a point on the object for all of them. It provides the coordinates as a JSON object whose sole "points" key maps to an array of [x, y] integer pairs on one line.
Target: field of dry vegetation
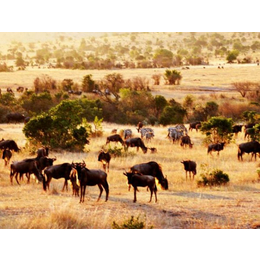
{"points": [[183, 206]]}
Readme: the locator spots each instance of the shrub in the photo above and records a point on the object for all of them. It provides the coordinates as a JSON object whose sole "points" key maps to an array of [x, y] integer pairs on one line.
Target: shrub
{"points": [[132, 223], [214, 178]]}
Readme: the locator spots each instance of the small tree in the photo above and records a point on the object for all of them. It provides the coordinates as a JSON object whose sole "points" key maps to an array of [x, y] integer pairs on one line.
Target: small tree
{"points": [[172, 77], [232, 55], [218, 129], [88, 84]]}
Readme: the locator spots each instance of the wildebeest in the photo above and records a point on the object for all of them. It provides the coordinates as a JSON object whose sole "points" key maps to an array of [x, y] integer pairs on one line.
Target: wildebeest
{"points": [[185, 140], [15, 117], [236, 129], [10, 144], [139, 126], [195, 125], [137, 180], [25, 166], [136, 142], [43, 151], [217, 147], [57, 171], [73, 179], [7, 155], [20, 89], [190, 167], [249, 147], [115, 138], [151, 168], [90, 177], [104, 158]]}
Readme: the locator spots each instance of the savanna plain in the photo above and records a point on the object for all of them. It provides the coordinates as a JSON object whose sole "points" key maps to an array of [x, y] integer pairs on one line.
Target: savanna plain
{"points": [[183, 206]]}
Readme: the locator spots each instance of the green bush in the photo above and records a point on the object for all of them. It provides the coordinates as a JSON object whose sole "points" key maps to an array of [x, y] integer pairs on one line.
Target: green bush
{"points": [[132, 223], [214, 178]]}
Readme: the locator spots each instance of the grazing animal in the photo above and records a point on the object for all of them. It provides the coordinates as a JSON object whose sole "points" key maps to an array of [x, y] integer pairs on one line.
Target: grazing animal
{"points": [[57, 171], [25, 166], [7, 155], [104, 158], [215, 147], [194, 125], [10, 144], [249, 147], [128, 133], [43, 151], [136, 142], [15, 117], [175, 134], [146, 130], [185, 140], [115, 138], [151, 168], [139, 126], [190, 167], [73, 179], [149, 136], [137, 180], [91, 177], [236, 129], [20, 89]]}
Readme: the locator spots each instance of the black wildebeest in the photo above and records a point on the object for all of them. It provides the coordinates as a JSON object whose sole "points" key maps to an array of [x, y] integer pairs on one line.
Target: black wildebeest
{"points": [[57, 171], [90, 177], [104, 158], [10, 144], [236, 129], [115, 138], [7, 155], [185, 140], [151, 168], [190, 167], [137, 180], [15, 117], [25, 166], [43, 151], [195, 125], [136, 142], [215, 147], [249, 147]]}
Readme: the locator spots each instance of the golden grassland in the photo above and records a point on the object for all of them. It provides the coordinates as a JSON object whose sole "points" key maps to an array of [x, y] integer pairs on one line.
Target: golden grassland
{"points": [[198, 80], [183, 206]]}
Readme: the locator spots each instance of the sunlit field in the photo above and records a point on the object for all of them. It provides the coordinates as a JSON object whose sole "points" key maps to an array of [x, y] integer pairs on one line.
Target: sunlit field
{"points": [[183, 206]]}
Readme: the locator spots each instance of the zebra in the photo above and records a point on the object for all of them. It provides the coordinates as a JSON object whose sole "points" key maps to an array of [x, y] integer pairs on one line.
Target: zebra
{"points": [[175, 134], [146, 130], [128, 133], [149, 136]]}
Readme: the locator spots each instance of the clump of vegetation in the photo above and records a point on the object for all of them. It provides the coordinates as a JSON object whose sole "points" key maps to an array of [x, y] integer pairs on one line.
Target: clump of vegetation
{"points": [[215, 178], [131, 223], [119, 152]]}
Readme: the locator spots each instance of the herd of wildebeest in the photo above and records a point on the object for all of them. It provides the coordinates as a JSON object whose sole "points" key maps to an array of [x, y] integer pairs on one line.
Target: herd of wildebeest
{"points": [[139, 175]]}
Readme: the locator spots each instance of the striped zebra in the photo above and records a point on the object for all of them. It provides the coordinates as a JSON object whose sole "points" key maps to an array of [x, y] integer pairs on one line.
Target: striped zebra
{"points": [[175, 134], [128, 133], [145, 131]]}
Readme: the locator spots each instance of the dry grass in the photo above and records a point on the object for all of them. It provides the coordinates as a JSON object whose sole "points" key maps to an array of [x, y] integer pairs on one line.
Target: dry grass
{"points": [[183, 206]]}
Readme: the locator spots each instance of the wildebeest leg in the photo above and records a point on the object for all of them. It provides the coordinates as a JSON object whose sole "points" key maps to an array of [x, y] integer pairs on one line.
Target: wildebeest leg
{"points": [[101, 190], [65, 185], [82, 193], [106, 187], [186, 175], [28, 177], [16, 177], [155, 192], [135, 189], [151, 193]]}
